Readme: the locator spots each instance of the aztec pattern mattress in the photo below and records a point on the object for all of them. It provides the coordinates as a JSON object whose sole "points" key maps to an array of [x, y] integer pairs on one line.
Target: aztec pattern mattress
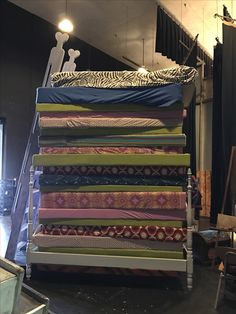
{"points": [[124, 200], [113, 169], [65, 180], [153, 233], [145, 171]]}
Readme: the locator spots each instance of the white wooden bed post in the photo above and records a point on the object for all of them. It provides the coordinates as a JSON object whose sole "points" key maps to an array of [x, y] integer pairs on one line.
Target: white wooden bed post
{"points": [[70, 65], [189, 233], [55, 59], [30, 224]]}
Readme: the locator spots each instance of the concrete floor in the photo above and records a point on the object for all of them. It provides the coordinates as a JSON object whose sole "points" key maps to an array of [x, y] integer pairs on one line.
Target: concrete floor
{"points": [[76, 294]]}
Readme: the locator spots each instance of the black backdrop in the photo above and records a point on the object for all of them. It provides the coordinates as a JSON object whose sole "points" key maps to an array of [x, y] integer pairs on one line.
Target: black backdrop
{"points": [[224, 116], [25, 44]]}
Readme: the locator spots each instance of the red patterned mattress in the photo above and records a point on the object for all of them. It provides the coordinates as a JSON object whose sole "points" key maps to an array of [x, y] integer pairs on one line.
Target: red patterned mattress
{"points": [[121, 200], [154, 233]]}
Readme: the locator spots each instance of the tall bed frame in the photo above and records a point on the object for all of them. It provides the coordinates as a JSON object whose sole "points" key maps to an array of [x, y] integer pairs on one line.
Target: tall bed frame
{"points": [[34, 256]]}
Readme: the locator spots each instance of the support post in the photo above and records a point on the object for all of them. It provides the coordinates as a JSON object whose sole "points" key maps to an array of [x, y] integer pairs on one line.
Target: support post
{"points": [[189, 233], [30, 224]]}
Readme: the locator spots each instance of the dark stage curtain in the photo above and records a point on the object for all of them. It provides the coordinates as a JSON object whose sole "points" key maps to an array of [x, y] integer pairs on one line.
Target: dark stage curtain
{"points": [[228, 92], [168, 36], [224, 117], [217, 178]]}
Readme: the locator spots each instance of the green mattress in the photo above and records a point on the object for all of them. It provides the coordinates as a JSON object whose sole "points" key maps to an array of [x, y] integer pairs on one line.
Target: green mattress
{"points": [[117, 252], [111, 188], [129, 140], [109, 131], [45, 107], [111, 159], [112, 222]]}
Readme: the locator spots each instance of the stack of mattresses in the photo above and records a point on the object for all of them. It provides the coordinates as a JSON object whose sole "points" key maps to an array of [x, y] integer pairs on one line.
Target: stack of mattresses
{"points": [[114, 172]]}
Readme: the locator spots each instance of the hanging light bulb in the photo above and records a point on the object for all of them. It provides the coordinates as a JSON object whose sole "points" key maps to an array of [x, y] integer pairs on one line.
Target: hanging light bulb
{"points": [[66, 25]]}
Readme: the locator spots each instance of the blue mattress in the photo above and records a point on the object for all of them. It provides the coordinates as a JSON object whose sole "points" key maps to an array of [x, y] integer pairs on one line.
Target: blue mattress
{"points": [[162, 96]]}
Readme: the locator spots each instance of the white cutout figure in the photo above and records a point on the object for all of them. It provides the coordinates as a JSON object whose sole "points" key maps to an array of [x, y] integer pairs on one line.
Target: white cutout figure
{"points": [[56, 58], [70, 65]]}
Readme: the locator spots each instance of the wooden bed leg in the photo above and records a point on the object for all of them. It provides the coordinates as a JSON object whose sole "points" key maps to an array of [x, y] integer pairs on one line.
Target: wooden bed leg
{"points": [[190, 282], [28, 271], [189, 270]]}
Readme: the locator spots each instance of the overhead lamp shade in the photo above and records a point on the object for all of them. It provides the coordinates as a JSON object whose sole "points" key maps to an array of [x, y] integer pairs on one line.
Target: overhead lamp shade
{"points": [[66, 26]]}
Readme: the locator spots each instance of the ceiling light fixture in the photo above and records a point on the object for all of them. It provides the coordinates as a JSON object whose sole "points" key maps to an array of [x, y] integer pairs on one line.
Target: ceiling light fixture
{"points": [[66, 25]]}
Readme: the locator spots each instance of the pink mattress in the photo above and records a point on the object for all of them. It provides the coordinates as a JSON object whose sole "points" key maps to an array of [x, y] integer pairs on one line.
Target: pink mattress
{"points": [[98, 213], [74, 122], [43, 240], [121, 200], [111, 150], [157, 114]]}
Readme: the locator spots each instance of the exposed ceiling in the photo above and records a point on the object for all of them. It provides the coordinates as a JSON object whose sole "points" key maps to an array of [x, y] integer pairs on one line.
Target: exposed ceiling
{"points": [[121, 27]]}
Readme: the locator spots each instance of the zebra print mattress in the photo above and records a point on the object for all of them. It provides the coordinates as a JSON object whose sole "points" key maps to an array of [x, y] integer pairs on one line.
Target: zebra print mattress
{"points": [[122, 79]]}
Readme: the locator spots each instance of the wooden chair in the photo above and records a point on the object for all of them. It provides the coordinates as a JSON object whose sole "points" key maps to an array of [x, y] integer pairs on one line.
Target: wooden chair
{"points": [[228, 278]]}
